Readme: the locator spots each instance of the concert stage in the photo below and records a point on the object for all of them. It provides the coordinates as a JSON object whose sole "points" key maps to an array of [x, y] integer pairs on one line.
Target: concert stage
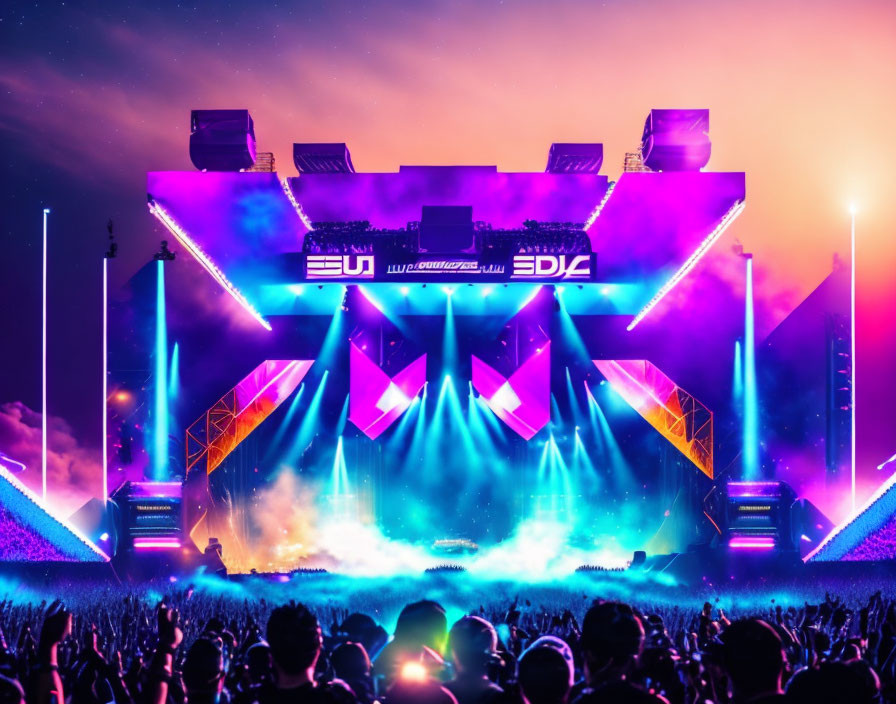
{"points": [[514, 375]]}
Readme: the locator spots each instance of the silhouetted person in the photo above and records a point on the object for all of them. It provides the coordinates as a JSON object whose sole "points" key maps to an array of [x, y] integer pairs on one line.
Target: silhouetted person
{"points": [[352, 666], [611, 642], [295, 639], [421, 626], [829, 683], [546, 671], [473, 644], [203, 671], [753, 657]]}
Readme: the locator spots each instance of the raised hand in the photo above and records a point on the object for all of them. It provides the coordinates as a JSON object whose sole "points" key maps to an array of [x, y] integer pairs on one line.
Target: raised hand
{"points": [[170, 635], [57, 625]]}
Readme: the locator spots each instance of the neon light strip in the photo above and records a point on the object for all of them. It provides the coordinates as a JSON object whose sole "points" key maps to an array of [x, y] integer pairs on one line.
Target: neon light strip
{"points": [[104, 417], [161, 543], [34, 498], [203, 259], [6, 460], [751, 544], [691, 262], [43, 368], [595, 214], [886, 462], [306, 221]]}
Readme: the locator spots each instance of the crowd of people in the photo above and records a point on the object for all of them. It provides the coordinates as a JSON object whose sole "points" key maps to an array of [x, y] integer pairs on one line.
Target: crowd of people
{"points": [[193, 646]]}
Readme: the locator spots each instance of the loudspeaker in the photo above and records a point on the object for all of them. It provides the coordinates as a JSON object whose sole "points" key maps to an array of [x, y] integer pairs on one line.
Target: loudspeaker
{"points": [[222, 140], [676, 140]]}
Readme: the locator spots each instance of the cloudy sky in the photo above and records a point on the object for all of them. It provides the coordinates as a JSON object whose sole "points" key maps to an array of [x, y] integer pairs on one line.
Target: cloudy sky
{"points": [[94, 94]]}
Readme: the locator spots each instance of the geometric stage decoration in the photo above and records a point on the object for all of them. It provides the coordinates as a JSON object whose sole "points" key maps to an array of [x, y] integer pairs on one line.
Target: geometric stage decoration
{"points": [[241, 410], [377, 400], [522, 400], [678, 416], [223, 427]]}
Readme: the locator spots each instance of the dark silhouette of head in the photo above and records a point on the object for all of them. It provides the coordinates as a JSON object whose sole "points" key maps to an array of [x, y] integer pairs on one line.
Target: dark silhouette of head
{"points": [[830, 683], [361, 628], [612, 639], [753, 657], [294, 637], [422, 623], [350, 661], [11, 691], [473, 642], [260, 663], [203, 668], [545, 671]]}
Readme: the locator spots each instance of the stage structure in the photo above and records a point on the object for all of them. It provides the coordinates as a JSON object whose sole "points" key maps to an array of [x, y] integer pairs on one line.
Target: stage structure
{"points": [[448, 352]]}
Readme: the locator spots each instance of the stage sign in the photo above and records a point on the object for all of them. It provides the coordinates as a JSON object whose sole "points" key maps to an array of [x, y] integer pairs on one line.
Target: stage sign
{"points": [[551, 266], [439, 267], [339, 266]]}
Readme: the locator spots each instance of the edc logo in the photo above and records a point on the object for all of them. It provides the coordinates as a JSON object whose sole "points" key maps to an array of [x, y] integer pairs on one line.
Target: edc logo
{"points": [[338, 266], [551, 266]]}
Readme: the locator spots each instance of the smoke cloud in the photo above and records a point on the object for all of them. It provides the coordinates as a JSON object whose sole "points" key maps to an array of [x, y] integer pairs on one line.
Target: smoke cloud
{"points": [[74, 471]]}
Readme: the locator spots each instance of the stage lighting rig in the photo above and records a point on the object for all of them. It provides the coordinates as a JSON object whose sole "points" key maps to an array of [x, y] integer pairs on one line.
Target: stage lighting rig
{"points": [[164, 254]]}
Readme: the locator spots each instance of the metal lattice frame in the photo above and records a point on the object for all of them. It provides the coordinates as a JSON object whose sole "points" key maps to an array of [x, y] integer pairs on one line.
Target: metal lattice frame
{"points": [[676, 414]]}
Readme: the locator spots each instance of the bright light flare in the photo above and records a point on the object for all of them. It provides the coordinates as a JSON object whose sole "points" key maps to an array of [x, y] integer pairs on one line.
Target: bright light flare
{"points": [[413, 671]]}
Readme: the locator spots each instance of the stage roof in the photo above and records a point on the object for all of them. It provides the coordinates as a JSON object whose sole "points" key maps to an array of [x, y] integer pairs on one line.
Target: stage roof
{"points": [[643, 229]]}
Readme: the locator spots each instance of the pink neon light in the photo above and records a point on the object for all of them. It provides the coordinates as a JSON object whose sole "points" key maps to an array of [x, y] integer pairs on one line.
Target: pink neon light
{"points": [[752, 543], [160, 544], [523, 400], [377, 400]]}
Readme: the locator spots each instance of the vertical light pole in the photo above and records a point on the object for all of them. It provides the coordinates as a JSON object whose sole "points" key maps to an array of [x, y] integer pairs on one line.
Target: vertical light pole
{"points": [[104, 417], [43, 368], [750, 391], [852, 351]]}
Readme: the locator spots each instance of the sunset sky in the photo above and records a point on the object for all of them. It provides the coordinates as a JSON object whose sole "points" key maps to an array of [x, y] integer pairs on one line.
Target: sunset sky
{"points": [[802, 96]]}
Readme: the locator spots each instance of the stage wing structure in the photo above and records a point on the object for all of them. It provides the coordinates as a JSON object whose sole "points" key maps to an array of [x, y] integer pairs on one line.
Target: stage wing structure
{"points": [[676, 414], [230, 421], [33, 532]]}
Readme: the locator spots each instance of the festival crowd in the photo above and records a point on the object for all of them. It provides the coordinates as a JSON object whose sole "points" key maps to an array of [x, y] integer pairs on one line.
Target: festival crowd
{"points": [[205, 649]]}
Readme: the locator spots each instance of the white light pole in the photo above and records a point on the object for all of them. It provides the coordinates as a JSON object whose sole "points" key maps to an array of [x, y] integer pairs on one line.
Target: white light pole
{"points": [[852, 352], [43, 382], [105, 439]]}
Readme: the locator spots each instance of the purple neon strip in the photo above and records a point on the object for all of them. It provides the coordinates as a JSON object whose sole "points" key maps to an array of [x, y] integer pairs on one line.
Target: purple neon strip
{"points": [[754, 489], [690, 263], [160, 544], [306, 221], [168, 490], [748, 543], [163, 217], [600, 206]]}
